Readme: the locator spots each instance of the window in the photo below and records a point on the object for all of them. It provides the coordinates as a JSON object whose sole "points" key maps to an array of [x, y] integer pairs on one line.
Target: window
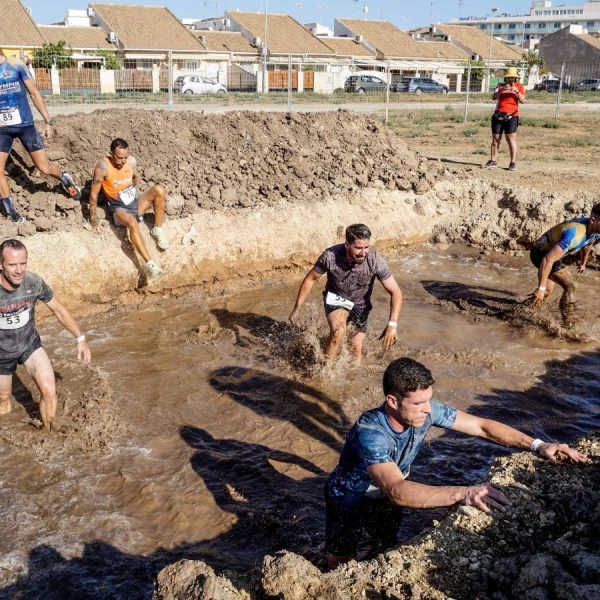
{"points": [[542, 26], [590, 24], [511, 37], [512, 26], [556, 25], [527, 25]]}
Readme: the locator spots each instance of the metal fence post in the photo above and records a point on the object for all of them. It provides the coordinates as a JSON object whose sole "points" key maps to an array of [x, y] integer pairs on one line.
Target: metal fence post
{"points": [[387, 92], [559, 93], [467, 94], [289, 83], [170, 88]]}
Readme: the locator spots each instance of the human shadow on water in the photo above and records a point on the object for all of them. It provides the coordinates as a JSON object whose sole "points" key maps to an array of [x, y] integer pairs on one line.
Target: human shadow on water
{"points": [[282, 339], [313, 413]]}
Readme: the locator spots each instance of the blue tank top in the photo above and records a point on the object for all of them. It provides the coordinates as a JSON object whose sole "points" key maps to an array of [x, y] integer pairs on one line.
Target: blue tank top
{"points": [[14, 105]]}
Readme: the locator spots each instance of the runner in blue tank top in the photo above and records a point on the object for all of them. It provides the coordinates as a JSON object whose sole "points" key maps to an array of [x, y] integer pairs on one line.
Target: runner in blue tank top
{"points": [[576, 235], [16, 122]]}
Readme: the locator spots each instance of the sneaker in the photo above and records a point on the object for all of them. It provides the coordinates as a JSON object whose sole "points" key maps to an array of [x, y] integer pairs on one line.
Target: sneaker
{"points": [[162, 241], [512, 166], [69, 186], [491, 164], [11, 212], [153, 269]]}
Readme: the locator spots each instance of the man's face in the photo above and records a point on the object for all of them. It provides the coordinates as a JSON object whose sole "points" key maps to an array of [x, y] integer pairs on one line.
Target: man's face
{"points": [[119, 157], [412, 410], [14, 265], [357, 250]]}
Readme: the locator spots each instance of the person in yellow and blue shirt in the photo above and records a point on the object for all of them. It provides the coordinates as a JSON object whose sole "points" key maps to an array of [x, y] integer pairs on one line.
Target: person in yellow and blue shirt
{"points": [[576, 235]]}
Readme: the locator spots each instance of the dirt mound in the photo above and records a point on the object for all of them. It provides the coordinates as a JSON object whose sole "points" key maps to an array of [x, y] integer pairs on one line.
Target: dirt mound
{"points": [[546, 546], [239, 159]]}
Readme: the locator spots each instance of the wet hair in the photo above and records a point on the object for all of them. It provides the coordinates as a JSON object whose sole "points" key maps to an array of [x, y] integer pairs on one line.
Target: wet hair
{"points": [[14, 244], [358, 231], [405, 375], [118, 143], [596, 209]]}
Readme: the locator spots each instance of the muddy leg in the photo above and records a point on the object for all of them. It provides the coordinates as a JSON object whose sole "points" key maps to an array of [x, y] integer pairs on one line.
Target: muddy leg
{"points": [[565, 279], [5, 393], [337, 332], [356, 343], [39, 367]]}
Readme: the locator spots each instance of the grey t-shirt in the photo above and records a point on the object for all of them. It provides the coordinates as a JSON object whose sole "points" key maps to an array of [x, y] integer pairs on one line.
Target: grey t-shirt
{"points": [[17, 314], [352, 281]]}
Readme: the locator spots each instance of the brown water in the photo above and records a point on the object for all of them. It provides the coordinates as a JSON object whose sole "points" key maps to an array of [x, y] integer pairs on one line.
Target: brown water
{"points": [[205, 427]]}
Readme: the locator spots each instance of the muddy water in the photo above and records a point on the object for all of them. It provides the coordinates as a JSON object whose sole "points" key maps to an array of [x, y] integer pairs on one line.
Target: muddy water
{"points": [[206, 426]]}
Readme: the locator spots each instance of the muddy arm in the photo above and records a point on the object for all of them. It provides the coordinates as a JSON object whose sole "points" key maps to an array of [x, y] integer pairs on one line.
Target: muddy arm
{"points": [[305, 287], [68, 322], [546, 265], [100, 172], [389, 333]]}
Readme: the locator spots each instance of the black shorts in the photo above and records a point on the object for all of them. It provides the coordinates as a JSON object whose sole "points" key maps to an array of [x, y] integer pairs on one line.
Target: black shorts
{"points": [[376, 519], [357, 316], [536, 255], [9, 365], [29, 135], [115, 207], [509, 126]]}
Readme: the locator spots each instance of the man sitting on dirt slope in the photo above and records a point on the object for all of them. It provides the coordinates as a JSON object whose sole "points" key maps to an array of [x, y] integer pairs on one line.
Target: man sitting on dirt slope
{"points": [[579, 234], [16, 122], [351, 271], [19, 340], [369, 486], [117, 177]]}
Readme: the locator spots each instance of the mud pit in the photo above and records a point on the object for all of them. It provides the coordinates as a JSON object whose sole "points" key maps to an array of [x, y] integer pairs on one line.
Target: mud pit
{"points": [[206, 426]]}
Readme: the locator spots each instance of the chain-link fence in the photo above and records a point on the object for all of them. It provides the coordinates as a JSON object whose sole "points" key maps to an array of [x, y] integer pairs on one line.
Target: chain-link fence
{"points": [[304, 83]]}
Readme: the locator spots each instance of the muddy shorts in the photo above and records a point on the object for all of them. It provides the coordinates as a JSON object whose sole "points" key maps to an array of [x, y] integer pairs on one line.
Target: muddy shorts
{"points": [[357, 316], [501, 126], [115, 207], [29, 135], [375, 518], [9, 365], [536, 255]]}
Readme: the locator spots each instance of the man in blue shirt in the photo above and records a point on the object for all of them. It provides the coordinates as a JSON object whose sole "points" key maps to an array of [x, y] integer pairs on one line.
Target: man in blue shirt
{"points": [[16, 122], [576, 235], [369, 486]]}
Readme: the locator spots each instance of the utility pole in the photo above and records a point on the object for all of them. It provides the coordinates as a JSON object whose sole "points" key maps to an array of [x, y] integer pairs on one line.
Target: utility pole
{"points": [[489, 69]]}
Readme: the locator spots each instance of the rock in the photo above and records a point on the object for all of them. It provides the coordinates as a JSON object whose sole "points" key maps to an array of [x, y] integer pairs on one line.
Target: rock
{"points": [[288, 576], [43, 223], [186, 580], [175, 204], [215, 192], [25, 229], [229, 196], [585, 566], [572, 591], [539, 570], [40, 202]]}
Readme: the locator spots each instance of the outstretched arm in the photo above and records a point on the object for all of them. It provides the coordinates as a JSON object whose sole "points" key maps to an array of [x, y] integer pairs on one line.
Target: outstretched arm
{"points": [[509, 436], [389, 334], [68, 322], [38, 102], [544, 273], [305, 287], [100, 172]]}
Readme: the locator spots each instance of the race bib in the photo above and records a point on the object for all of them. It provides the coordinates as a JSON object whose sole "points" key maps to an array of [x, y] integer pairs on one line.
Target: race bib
{"points": [[335, 300], [10, 116], [127, 196], [14, 320]]}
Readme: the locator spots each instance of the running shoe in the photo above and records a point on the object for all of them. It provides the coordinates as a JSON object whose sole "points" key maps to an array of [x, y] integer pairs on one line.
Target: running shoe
{"points": [[512, 166], [491, 164], [162, 241], [11, 212], [69, 186], [153, 269]]}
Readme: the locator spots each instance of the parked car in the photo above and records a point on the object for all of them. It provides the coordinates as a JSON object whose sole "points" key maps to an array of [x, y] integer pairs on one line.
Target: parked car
{"points": [[587, 85], [197, 84], [420, 85], [365, 82], [550, 85]]}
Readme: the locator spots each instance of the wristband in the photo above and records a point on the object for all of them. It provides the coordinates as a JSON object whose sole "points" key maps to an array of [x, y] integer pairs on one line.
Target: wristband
{"points": [[536, 444], [392, 324], [50, 122], [81, 338], [541, 288]]}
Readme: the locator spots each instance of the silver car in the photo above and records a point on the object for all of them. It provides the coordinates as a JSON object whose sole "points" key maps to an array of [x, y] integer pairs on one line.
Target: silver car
{"points": [[587, 85], [197, 84]]}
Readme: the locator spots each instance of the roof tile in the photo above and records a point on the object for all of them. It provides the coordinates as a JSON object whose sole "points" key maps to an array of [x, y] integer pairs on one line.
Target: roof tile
{"points": [[81, 38], [17, 27]]}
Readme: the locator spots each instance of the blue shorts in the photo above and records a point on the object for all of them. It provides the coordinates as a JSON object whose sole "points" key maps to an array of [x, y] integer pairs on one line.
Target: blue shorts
{"points": [[28, 134]]}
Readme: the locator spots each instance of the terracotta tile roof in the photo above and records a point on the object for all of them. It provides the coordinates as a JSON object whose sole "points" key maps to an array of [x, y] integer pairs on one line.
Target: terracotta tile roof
{"points": [[82, 38], [344, 46], [477, 41], [17, 27], [225, 41], [590, 39], [146, 27], [445, 50], [390, 41], [284, 34]]}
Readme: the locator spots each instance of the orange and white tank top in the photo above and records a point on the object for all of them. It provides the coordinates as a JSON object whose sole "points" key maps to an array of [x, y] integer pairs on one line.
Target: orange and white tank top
{"points": [[117, 180]]}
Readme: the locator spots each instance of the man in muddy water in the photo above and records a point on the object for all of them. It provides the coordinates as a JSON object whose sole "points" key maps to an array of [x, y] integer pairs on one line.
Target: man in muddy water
{"points": [[116, 175], [16, 122], [351, 271], [369, 487], [19, 340], [564, 239]]}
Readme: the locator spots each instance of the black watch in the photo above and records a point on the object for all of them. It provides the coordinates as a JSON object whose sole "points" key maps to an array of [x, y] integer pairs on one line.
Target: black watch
{"points": [[50, 122]]}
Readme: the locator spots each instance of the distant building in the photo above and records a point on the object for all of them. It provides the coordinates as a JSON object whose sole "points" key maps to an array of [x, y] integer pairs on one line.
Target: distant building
{"points": [[544, 18], [578, 51]]}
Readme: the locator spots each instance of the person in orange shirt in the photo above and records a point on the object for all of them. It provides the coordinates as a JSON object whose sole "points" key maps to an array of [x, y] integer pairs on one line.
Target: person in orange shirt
{"points": [[505, 119], [116, 175]]}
